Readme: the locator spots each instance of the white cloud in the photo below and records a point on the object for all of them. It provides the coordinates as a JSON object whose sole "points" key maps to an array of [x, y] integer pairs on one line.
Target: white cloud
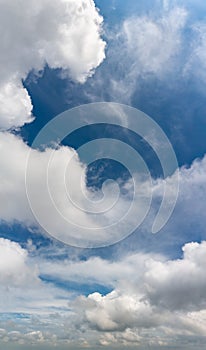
{"points": [[14, 270], [57, 193], [155, 301], [191, 190], [179, 284], [105, 272], [15, 104], [21, 288], [166, 284], [166, 45], [166, 302], [61, 215], [14, 202], [153, 44], [195, 66], [64, 34], [144, 47], [117, 311]]}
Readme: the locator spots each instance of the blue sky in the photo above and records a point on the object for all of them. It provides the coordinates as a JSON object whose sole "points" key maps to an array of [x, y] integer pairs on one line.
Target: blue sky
{"points": [[133, 289]]}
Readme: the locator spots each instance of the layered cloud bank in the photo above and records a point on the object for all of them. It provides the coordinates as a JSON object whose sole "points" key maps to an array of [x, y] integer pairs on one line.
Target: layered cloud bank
{"points": [[154, 301], [62, 34]]}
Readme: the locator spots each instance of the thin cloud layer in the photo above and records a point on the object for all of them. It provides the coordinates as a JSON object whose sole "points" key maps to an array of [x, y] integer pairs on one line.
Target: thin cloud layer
{"points": [[153, 44], [144, 47], [164, 45]]}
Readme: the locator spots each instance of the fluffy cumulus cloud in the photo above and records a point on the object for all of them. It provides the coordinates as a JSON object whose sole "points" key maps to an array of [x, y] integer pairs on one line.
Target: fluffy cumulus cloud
{"points": [[63, 34], [13, 163], [55, 191], [14, 159], [179, 284], [14, 270], [16, 275], [166, 299], [54, 194], [15, 103]]}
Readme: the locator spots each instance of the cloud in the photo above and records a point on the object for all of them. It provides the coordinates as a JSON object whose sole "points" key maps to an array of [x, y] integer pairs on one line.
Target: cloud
{"points": [[15, 104], [155, 301], [167, 284], [153, 44], [63, 34], [14, 270], [191, 190], [195, 66], [21, 288], [57, 200], [179, 285], [105, 273], [166, 301], [117, 312], [13, 190], [57, 190], [143, 47], [163, 45], [14, 203]]}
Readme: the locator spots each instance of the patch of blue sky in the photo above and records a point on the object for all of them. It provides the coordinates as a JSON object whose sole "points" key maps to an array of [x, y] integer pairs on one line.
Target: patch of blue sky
{"points": [[77, 288], [118, 10], [22, 234], [176, 104], [14, 315]]}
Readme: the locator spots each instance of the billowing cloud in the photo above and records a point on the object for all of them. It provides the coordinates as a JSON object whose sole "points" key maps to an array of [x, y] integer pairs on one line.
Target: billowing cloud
{"points": [[63, 34], [14, 270], [179, 284], [167, 298], [57, 185], [13, 189]]}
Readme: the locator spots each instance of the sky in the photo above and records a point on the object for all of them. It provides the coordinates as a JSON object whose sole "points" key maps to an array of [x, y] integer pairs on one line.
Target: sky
{"points": [[103, 174]]}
